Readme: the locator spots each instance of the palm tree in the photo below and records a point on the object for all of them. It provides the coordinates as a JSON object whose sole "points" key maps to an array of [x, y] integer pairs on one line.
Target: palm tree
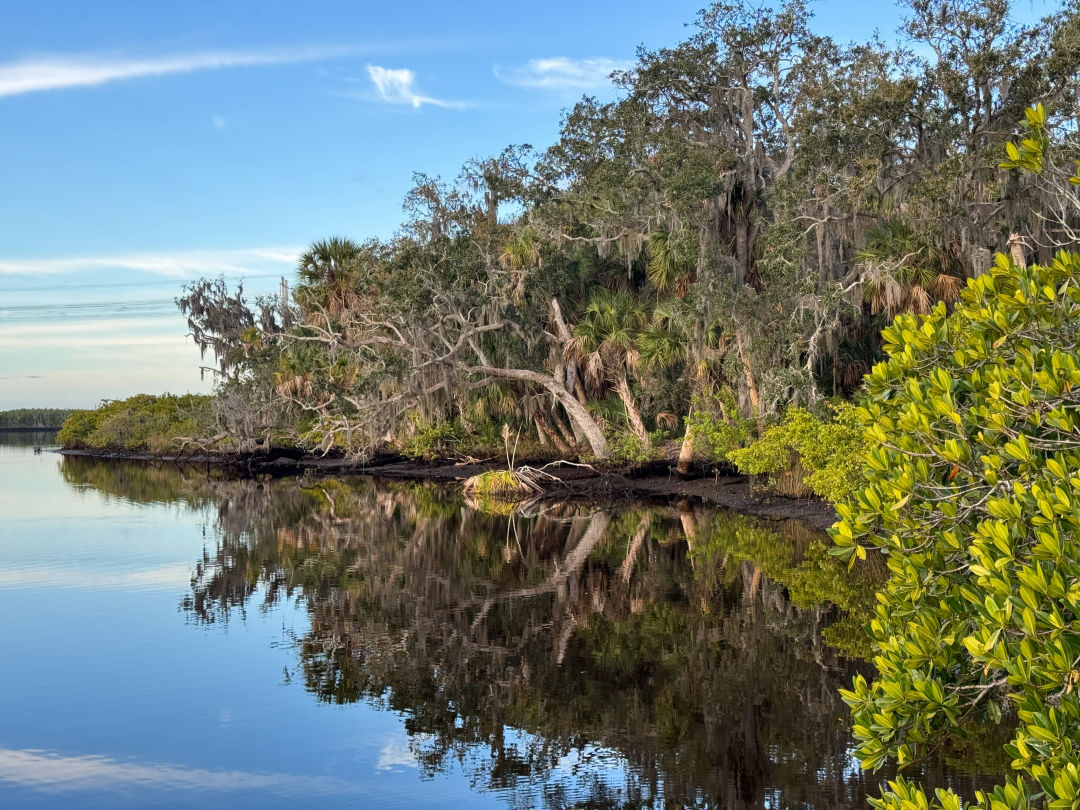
{"points": [[330, 275], [668, 267], [605, 341], [902, 272], [676, 334], [519, 255]]}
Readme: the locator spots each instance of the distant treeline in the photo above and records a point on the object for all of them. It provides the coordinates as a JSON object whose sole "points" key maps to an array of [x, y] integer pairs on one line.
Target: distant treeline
{"points": [[26, 418]]}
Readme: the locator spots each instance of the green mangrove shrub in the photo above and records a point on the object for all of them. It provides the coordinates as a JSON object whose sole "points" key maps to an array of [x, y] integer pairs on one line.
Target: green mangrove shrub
{"points": [[157, 424], [829, 452], [973, 491]]}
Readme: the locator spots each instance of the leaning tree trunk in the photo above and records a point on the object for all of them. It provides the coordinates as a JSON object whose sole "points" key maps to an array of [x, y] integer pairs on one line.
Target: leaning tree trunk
{"points": [[751, 384], [686, 452], [577, 412], [622, 388]]}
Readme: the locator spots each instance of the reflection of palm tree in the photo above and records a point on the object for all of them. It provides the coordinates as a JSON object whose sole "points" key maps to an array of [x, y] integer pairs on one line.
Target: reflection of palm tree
{"points": [[903, 273], [606, 340]]}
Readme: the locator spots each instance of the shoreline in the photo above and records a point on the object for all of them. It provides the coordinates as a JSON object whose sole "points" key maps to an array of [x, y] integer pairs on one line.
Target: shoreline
{"points": [[655, 483]]}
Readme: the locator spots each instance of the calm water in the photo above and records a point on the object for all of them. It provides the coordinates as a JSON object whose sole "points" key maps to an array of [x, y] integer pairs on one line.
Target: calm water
{"points": [[175, 640]]}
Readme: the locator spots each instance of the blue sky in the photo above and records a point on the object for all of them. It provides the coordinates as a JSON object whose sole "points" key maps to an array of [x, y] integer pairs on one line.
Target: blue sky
{"points": [[142, 144]]}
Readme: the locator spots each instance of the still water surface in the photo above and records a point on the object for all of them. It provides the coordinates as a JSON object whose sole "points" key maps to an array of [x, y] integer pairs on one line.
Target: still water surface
{"points": [[173, 639]]}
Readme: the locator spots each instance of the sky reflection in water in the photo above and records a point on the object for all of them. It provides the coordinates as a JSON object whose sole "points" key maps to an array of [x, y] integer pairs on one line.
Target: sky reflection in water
{"points": [[173, 639]]}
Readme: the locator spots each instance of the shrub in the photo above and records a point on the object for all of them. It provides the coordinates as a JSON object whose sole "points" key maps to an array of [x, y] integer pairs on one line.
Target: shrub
{"points": [[973, 490], [432, 440], [830, 452], [718, 426], [139, 423]]}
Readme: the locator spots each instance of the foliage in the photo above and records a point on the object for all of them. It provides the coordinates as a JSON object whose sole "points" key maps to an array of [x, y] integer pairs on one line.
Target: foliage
{"points": [[25, 418], [972, 490], [432, 440], [718, 426], [830, 451], [741, 216], [157, 424], [626, 448]]}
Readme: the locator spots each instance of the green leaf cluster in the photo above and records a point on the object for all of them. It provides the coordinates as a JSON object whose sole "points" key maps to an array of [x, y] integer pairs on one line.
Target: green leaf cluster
{"points": [[830, 451], [144, 422], [973, 492]]}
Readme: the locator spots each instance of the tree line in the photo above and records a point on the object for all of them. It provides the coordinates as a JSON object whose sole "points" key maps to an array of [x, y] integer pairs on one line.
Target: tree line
{"points": [[29, 418], [726, 239]]}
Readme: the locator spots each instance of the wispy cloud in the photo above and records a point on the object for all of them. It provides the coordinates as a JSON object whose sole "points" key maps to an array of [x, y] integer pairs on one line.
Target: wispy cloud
{"points": [[43, 73], [398, 86], [164, 577], [562, 73], [178, 264], [218, 121], [50, 772]]}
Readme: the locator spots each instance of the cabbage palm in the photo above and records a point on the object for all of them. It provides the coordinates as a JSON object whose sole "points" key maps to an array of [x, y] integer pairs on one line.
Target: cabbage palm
{"points": [[330, 273], [605, 341], [902, 272], [668, 267]]}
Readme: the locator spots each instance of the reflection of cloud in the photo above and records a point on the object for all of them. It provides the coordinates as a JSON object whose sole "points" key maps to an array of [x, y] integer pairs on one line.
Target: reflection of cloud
{"points": [[396, 754], [46, 771], [166, 576]]}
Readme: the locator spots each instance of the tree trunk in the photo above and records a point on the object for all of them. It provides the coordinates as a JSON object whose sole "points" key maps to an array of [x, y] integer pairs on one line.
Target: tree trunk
{"points": [[751, 385], [686, 452], [574, 409], [541, 437], [549, 433], [622, 388]]}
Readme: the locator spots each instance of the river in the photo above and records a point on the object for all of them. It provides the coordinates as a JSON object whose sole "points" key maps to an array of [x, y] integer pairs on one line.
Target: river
{"points": [[172, 638]]}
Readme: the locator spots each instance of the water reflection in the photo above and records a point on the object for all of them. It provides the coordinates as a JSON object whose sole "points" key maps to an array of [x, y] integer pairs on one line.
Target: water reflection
{"points": [[56, 773], [563, 656]]}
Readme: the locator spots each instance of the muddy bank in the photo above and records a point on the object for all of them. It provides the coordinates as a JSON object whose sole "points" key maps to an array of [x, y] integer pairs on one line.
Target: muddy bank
{"points": [[653, 483]]}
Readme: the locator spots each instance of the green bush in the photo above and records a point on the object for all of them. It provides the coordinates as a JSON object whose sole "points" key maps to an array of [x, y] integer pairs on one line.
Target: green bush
{"points": [[718, 426], [432, 440], [143, 422], [973, 491], [831, 452]]}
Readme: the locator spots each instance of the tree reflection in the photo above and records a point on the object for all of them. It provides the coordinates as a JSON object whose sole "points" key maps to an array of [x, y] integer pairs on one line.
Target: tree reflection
{"points": [[568, 655]]}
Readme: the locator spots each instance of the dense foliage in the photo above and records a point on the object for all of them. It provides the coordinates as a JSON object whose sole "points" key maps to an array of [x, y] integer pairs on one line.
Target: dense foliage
{"points": [[27, 418], [735, 227], [829, 453], [157, 424], [973, 490]]}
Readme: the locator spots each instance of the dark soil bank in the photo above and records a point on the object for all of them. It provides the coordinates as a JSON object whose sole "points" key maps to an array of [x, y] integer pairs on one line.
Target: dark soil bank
{"points": [[652, 483]]}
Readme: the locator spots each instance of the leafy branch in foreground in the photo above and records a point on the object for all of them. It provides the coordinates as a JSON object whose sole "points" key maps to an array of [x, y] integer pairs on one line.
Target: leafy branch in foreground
{"points": [[973, 491]]}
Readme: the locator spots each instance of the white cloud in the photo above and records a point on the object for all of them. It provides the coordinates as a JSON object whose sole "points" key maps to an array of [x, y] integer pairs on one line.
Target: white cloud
{"points": [[398, 86], [165, 577], [58, 72], [178, 264], [46, 771], [396, 754], [218, 121], [562, 73]]}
